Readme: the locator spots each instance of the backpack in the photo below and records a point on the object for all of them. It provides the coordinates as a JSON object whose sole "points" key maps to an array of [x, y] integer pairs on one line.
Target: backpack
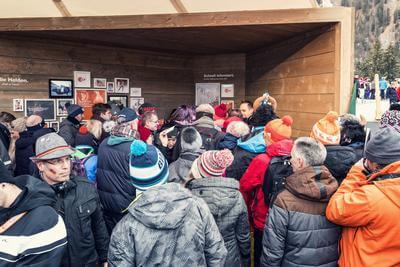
{"points": [[274, 180], [82, 154], [208, 136]]}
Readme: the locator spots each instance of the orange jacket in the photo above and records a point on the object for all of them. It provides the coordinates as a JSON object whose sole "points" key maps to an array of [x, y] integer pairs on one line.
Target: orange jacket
{"points": [[369, 210]]}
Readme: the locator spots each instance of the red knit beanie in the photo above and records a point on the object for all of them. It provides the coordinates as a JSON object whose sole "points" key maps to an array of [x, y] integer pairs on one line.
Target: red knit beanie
{"points": [[221, 110]]}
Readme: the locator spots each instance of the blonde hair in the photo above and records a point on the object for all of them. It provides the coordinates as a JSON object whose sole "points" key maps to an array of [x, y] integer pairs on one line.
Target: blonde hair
{"points": [[95, 127], [19, 124]]}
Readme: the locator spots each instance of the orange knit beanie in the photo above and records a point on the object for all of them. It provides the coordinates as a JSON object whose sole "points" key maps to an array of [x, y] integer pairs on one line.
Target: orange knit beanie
{"points": [[279, 129], [327, 129]]}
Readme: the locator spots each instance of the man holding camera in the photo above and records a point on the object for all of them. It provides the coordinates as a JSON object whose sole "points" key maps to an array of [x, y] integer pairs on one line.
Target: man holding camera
{"points": [[367, 204]]}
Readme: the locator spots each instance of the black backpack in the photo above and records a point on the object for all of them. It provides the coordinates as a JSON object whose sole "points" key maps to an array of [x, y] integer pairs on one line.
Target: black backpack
{"points": [[275, 177], [208, 136]]}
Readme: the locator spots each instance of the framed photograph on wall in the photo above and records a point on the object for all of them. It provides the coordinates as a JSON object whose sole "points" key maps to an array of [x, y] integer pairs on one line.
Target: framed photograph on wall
{"points": [[18, 104], [227, 90], [136, 92], [118, 99], [207, 93], [110, 87], [61, 88], [99, 82], [61, 106], [135, 102], [60, 119], [86, 98], [82, 79], [121, 85], [55, 125], [45, 108], [229, 103]]}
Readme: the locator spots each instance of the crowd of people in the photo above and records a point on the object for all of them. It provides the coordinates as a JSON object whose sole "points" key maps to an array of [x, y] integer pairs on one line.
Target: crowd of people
{"points": [[387, 89], [123, 189]]}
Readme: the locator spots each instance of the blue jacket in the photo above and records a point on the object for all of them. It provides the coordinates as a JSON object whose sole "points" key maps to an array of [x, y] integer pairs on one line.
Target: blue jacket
{"points": [[113, 179]]}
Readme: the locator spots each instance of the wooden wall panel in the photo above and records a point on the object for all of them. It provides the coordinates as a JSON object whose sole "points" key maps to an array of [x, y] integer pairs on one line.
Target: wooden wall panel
{"points": [[158, 74], [300, 74]]}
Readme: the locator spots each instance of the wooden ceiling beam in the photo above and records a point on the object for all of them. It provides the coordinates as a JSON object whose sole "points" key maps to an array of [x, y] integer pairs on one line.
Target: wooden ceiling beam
{"points": [[210, 19], [62, 8], [179, 7]]}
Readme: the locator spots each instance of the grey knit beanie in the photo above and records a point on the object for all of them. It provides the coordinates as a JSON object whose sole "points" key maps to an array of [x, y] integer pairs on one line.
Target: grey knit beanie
{"points": [[384, 147]]}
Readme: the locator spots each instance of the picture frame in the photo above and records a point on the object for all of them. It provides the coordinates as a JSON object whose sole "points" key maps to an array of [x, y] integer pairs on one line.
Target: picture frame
{"points": [[61, 108], [55, 125], [229, 103], [61, 88], [121, 85], [118, 99], [99, 83], [135, 102], [86, 98], [110, 87], [60, 119], [18, 104], [82, 79], [136, 92], [227, 90], [208, 93], [45, 108]]}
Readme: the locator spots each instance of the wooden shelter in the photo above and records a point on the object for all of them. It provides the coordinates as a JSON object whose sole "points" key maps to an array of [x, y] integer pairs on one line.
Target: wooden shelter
{"points": [[303, 57]]}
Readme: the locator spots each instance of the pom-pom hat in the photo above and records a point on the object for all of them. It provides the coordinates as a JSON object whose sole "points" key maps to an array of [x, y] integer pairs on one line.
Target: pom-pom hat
{"points": [[279, 129], [147, 166], [211, 163], [327, 129], [221, 110]]}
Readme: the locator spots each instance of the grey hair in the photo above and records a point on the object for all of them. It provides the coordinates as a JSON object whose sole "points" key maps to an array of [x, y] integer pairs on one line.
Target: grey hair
{"points": [[311, 151]]}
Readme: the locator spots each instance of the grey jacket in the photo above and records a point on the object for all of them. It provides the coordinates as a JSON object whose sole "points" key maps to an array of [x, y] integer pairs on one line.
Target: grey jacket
{"points": [[167, 226], [179, 169], [68, 131], [230, 213], [297, 232]]}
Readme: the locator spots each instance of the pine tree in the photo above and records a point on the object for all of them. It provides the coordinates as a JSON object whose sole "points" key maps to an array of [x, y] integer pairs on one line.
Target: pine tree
{"points": [[391, 68]]}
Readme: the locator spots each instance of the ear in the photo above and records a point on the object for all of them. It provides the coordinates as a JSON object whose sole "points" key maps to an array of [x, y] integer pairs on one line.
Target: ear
{"points": [[40, 165]]}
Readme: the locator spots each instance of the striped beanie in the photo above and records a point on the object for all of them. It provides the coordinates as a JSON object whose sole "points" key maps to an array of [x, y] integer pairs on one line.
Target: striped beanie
{"points": [[147, 166], [211, 163], [327, 129]]}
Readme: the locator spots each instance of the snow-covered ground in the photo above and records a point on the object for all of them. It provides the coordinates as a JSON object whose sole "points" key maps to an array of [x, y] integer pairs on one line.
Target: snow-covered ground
{"points": [[368, 108]]}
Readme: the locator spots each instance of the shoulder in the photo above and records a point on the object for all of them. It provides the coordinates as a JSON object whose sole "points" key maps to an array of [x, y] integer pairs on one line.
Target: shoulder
{"points": [[41, 219], [84, 185]]}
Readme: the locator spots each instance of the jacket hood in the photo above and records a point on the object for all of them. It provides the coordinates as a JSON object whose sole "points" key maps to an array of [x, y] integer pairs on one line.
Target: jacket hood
{"points": [[281, 148], [220, 193], [116, 140], [312, 183], [204, 122], [35, 193], [255, 144], [163, 207], [389, 187]]}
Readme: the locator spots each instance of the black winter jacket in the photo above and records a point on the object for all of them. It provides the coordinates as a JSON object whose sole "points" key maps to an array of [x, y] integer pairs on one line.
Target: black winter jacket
{"points": [[38, 238], [25, 148], [79, 205], [68, 130], [297, 232], [113, 178], [339, 160]]}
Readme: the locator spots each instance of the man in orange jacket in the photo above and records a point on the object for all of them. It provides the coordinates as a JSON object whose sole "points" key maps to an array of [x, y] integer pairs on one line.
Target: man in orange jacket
{"points": [[367, 204]]}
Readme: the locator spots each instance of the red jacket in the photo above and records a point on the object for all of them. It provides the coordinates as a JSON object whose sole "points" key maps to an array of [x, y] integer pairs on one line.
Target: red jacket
{"points": [[252, 180]]}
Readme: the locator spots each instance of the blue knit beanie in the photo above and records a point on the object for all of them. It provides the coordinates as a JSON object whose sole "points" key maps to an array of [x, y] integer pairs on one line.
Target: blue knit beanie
{"points": [[73, 110], [147, 166]]}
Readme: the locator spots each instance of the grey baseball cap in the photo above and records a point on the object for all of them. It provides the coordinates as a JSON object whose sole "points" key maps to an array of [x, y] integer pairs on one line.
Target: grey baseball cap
{"points": [[51, 146]]}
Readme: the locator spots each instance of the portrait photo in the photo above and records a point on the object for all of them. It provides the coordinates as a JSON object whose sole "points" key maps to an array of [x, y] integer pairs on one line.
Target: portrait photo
{"points": [[99, 83], [81, 79], [121, 85], [18, 104]]}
